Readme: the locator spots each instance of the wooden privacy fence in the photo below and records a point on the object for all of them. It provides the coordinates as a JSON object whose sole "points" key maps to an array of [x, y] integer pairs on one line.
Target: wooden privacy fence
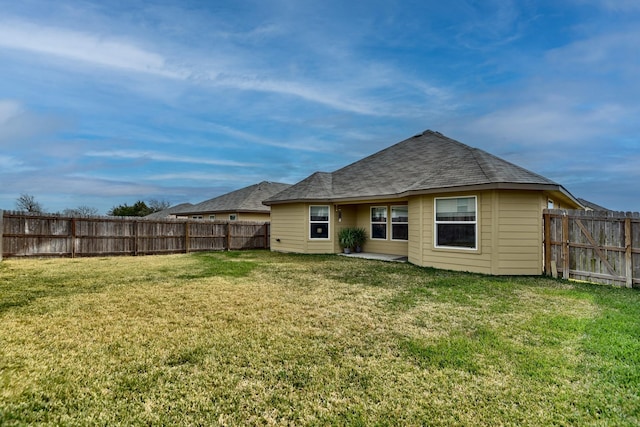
{"points": [[25, 235], [601, 247]]}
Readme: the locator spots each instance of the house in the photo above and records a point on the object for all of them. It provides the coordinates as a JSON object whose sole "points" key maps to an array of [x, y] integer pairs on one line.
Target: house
{"points": [[590, 206], [244, 204], [432, 199], [169, 212]]}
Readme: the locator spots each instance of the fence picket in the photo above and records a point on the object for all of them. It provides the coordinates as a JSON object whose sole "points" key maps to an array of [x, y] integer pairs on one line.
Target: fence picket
{"points": [[602, 247], [27, 235]]}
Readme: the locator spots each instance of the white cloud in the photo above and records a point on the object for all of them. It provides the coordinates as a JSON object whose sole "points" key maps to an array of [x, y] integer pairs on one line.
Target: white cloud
{"points": [[336, 82], [10, 164], [548, 123], [246, 137], [83, 46], [198, 176], [163, 157], [8, 110], [19, 126], [611, 50], [620, 5]]}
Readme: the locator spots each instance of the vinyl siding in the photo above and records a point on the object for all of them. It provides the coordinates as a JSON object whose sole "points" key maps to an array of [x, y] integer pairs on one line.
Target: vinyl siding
{"points": [[519, 233], [252, 216], [509, 232], [289, 225], [416, 230], [478, 260], [387, 246]]}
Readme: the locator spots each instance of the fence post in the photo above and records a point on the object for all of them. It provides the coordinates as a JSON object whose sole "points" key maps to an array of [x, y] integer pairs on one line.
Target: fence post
{"points": [[229, 235], [628, 257], [1, 232], [565, 245]]}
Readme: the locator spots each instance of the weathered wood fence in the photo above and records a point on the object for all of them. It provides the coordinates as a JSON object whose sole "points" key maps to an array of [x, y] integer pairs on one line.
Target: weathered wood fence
{"points": [[25, 235], [601, 247]]}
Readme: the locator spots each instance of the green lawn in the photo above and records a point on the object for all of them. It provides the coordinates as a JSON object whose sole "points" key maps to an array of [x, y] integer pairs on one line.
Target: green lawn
{"points": [[259, 338]]}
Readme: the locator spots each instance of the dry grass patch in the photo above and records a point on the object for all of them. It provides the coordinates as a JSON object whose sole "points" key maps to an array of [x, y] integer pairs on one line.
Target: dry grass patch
{"points": [[258, 338]]}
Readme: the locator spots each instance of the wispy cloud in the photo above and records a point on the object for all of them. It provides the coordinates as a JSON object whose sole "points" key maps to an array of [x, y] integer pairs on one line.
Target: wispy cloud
{"points": [[347, 90], [9, 164], [19, 126], [213, 96], [105, 51], [8, 110], [617, 5], [202, 176], [164, 157]]}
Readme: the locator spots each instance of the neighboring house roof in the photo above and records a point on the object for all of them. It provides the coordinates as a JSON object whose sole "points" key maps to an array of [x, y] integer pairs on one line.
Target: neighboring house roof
{"points": [[426, 163], [170, 211], [592, 206], [247, 199]]}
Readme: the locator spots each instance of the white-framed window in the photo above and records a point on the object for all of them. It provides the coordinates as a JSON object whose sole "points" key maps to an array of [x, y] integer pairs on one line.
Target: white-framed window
{"points": [[379, 222], [319, 222], [550, 204], [400, 222], [212, 216], [233, 217], [196, 217], [456, 222]]}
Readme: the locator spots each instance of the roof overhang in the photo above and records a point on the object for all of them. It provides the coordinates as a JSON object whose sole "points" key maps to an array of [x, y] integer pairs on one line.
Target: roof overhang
{"points": [[444, 190], [224, 211]]}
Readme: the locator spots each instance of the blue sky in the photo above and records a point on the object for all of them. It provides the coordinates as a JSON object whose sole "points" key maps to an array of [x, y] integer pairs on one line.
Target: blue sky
{"points": [[108, 102]]}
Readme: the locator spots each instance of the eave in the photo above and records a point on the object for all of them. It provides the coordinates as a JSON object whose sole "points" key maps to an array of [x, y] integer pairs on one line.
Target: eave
{"points": [[444, 190]]}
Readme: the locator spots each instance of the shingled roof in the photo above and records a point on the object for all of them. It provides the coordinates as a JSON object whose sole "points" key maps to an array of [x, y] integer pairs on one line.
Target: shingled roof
{"points": [[247, 199], [169, 211], [426, 163]]}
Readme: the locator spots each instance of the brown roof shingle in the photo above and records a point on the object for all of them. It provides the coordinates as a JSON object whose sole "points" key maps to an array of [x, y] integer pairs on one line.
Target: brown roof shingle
{"points": [[247, 199], [424, 163]]}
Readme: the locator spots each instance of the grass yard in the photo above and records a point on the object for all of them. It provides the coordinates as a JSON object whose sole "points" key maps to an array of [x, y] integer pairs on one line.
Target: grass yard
{"points": [[259, 338]]}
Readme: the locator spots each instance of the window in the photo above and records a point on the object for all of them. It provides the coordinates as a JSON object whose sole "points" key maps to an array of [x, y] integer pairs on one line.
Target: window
{"points": [[399, 223], [549, 204], [319, 222], [197, 217], [379, 222], [456, 223], [212, 216], [233, 217]]}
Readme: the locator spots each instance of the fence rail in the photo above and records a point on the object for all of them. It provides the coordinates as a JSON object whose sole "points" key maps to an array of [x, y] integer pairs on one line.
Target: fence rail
{"points": [[601, 247], [26, 235]]}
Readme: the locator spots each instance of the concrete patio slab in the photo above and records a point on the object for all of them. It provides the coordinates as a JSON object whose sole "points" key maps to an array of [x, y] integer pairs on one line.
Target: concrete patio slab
{"points": [[379, 257]]}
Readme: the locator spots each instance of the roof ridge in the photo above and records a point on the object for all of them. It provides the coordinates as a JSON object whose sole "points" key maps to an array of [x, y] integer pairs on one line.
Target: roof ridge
{"points": [[425, 162], [478, 162]]}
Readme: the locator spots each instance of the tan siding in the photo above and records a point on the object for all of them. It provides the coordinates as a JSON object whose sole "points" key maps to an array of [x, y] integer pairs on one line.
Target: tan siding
{"points": [[320, 246], [288, 223], [252, 216], [462, 260], [520, 232], [416, 230], [388, 246], [509, 232], [349, 219]]}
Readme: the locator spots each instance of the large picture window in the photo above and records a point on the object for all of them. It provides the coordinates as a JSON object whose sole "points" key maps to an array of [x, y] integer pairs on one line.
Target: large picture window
{"points": [[456, 223], [319, 222], [379, 222], [399, 223]]}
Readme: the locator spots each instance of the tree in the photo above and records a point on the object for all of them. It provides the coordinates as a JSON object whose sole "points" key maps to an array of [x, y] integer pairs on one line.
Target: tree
{"points": [[158, 205], [81, 212], [28, 203], [139, 208]]}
